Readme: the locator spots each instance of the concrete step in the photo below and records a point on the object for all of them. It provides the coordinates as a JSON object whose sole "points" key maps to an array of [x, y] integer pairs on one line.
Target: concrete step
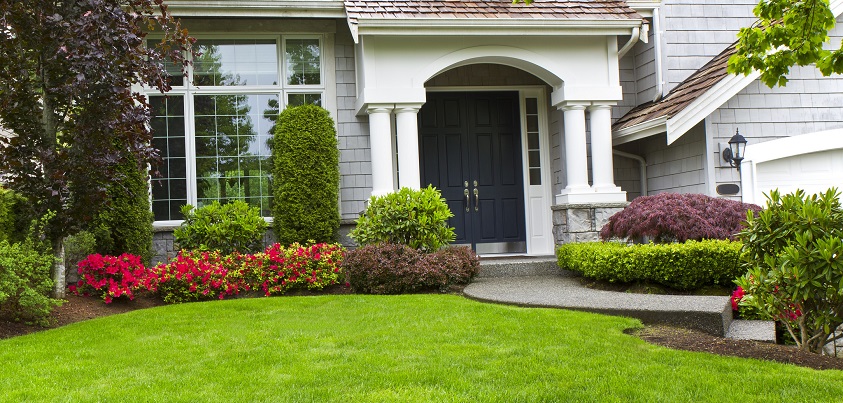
{"points": [[519, 266], [758, 330]]}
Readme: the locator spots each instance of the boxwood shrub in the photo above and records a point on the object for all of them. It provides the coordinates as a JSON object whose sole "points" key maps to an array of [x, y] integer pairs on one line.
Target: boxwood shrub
{"points": [[395, 269], [306, 171], [234, 226], [682, 266]]}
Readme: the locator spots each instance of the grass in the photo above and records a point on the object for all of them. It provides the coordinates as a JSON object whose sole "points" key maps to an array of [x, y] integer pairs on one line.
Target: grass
{"points": [[354, 348]]}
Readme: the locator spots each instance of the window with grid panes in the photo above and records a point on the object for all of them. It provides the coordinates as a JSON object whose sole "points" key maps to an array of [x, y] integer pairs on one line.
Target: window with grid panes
{"points": [[213, 130]]}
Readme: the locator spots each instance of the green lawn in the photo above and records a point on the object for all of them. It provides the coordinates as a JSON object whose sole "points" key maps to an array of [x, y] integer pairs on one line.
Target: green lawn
{"points": [[354, 348]]}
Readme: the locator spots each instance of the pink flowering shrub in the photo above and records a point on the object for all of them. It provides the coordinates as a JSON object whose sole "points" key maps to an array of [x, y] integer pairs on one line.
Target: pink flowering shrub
{"points": [[198, 276], [111, 276], [673, 217], [279, 269]]}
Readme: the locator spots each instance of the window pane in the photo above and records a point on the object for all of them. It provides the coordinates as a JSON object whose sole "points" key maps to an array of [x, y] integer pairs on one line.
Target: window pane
{"points": [[236, 62], [303, 62], [303, 99], [232, 156], [169, 192]]}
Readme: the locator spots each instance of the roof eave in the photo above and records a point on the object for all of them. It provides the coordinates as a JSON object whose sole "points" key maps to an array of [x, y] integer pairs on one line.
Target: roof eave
{"points": [[257, 8], [521, 27], [640, 130]]}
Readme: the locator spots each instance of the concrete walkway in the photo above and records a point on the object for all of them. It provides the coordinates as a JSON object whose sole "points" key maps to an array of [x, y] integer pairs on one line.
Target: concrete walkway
{"points": [[712, 315]]}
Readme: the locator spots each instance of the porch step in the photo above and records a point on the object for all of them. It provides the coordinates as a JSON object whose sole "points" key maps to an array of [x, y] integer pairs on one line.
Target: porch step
{"points": [[758, 330], [518, 266]]}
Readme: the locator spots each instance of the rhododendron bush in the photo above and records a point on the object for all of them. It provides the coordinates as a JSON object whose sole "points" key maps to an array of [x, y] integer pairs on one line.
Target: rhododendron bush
{"points": [[673, 217], [794, 256]]}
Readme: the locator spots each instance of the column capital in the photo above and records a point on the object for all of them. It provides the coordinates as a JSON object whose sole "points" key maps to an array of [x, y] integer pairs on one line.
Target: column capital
{"points": [[379, 108], [405, 108], [601, 106], [573, 106]]}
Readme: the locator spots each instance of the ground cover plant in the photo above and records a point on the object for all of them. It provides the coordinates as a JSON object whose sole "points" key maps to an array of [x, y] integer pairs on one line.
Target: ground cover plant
{"points": [[795, 270], [379, 348], [674, 217]]}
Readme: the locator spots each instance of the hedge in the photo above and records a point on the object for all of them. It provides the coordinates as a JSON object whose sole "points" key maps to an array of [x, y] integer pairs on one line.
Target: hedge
{"points": [[682, 266]]}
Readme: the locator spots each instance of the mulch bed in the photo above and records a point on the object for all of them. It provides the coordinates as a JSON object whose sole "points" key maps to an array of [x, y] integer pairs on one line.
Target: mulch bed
{"points": [[83, 308]]}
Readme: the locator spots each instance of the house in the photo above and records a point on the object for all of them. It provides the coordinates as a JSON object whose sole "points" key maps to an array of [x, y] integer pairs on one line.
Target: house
{"points": [[536, 122]]}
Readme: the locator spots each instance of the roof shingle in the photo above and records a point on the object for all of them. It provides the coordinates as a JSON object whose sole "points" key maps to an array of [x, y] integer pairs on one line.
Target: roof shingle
{"points": [[682, 95], [489, 9]]}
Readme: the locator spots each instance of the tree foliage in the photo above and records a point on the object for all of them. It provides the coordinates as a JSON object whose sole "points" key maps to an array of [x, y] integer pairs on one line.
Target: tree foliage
{"points": [[787, 33], [674, 217], [67, 71]]}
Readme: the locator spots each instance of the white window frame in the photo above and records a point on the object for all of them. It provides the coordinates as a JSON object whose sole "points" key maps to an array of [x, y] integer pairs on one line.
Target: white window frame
{"points": [[189, 90]]}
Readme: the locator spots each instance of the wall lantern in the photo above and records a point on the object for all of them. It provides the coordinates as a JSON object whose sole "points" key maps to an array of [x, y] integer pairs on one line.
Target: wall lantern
{"points": [[735, 153]]}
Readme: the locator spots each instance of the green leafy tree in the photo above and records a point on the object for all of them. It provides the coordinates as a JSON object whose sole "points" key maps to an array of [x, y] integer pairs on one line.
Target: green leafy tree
{"points": [[787, 33], [67, 69]]}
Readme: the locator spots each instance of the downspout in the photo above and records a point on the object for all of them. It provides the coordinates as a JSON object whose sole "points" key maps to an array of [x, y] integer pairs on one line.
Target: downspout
{"points": [[657, 47], [642, 168], [633, 39]]}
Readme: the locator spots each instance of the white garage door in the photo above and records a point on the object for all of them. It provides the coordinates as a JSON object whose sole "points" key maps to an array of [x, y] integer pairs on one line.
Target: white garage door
{"points": [[812, 162], [813, 173]]}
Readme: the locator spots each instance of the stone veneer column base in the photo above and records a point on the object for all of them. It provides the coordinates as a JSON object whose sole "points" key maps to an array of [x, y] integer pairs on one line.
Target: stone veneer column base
{"points": [[582, 222]]}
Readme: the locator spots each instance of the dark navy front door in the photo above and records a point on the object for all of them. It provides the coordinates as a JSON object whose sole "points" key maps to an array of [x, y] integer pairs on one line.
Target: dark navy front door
{"points": [[470, 146]]}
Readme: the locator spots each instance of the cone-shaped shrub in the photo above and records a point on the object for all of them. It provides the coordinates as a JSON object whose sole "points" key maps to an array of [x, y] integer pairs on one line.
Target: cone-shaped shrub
{"points": [[306, 172]]}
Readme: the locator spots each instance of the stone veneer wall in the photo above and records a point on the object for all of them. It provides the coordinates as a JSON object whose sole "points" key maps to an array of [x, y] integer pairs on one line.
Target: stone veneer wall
{"points": [[581, 222]]}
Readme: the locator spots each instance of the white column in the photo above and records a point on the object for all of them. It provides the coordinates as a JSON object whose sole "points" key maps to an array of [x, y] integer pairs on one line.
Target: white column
{"points": [[602, 168], [406, 122], [576, 152], [380, 143]]}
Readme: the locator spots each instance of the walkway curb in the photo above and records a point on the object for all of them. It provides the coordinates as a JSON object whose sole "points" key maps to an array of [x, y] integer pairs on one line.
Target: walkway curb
{"points": [[709, 314]]}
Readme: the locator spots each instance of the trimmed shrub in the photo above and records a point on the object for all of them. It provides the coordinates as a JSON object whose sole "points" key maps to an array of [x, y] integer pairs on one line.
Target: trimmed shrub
{"points": [[682, 266], [417, 218], [227, 228], [198, 276], [396, 269], [124, 224], [673, 217], [306, 171], [279, 269], [25, 283], [111, 276], [795, 270]]}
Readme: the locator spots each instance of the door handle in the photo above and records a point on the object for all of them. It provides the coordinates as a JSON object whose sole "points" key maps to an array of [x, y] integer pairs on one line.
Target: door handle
{"points": [[467, 200], [476, 198]]}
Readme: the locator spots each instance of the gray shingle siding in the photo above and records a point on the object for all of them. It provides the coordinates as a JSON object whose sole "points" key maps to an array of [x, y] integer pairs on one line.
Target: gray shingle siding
{"points": [[352, 131], [696, 31]]}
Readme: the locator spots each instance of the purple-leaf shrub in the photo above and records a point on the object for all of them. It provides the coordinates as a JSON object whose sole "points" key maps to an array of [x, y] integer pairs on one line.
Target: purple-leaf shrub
{"points": [[673, 217], [394, 269]]}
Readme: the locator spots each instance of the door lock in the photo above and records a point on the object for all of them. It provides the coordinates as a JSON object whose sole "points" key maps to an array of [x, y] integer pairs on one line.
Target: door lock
{"points": [[476, 197]]}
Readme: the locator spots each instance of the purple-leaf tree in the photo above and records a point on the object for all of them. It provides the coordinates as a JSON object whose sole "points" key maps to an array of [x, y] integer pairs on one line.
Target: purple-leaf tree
{"points": [[69, 78]]}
